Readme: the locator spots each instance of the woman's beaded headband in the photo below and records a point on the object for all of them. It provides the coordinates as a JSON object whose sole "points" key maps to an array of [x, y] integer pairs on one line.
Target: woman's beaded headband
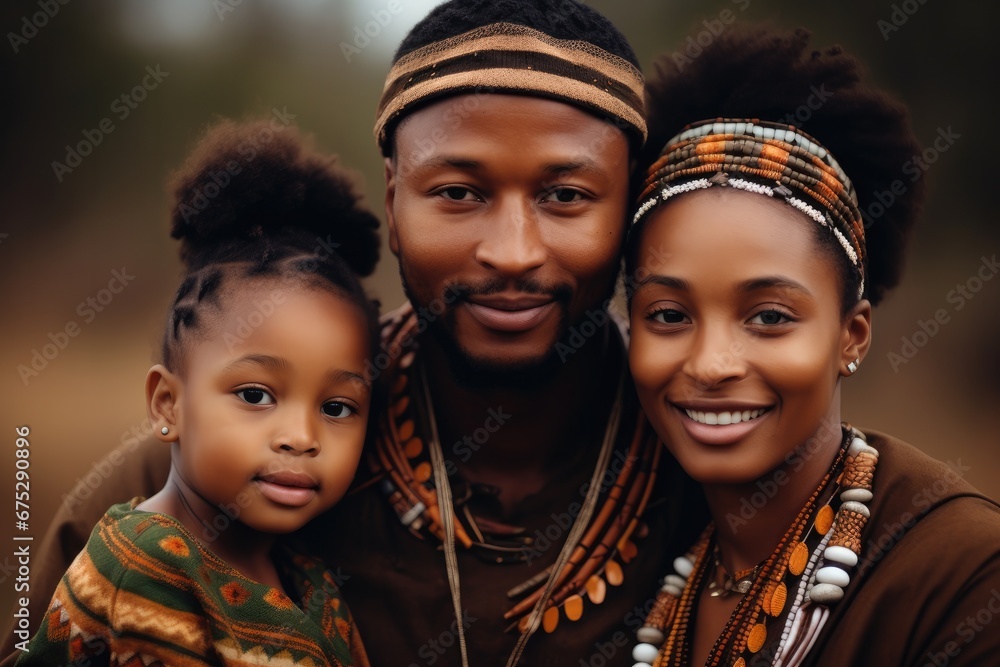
{"points": [[771, 159], [506, 57]]}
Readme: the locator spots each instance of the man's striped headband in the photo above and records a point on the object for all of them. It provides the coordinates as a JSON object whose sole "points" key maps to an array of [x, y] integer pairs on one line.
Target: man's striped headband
{"points": [[511, 58], [767, 158]]}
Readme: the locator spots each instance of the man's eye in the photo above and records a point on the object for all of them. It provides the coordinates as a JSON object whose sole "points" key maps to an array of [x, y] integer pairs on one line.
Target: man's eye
{"points": [[255, 396], [457, 193], [563, 196]]}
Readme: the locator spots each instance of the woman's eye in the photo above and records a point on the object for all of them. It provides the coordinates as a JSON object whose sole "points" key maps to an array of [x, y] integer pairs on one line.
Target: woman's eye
{"points": [[769, 318], [255, 396], [563, 196], [337, 410], [668, 316], [457, 193]]}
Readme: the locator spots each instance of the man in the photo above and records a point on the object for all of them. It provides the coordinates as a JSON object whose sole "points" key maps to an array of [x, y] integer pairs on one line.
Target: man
{"points": [[512, 441]]}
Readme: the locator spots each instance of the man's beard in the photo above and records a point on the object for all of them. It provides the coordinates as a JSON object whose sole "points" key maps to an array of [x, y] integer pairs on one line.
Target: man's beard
{"points": [[476, 373]]}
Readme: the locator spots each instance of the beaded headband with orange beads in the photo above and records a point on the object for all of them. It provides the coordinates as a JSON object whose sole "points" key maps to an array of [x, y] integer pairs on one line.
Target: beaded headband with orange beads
{"points": [[771, 159]]}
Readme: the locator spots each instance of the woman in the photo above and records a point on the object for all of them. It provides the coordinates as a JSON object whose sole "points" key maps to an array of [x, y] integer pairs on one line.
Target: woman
{"points": [[753, 276]]}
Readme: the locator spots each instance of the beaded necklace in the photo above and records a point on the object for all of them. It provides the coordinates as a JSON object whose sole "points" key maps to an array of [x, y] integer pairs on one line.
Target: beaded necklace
{"points": [[403, 469], [818, 577]]}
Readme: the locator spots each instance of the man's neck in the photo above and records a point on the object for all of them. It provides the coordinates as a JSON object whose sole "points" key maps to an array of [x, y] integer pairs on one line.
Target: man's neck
{"points": [[517, 438]]}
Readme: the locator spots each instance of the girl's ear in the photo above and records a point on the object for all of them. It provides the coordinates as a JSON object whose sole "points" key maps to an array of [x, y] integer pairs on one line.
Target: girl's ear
{"points": [[163, 403], [856, 337]]}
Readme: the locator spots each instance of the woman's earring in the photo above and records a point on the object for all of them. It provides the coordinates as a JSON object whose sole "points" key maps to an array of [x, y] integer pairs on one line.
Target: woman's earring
{"points": [[166, 430], [853, 366]]}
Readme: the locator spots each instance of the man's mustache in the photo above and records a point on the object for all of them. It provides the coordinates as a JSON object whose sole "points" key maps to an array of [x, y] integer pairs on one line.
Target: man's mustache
{"points": [[560, 293]]}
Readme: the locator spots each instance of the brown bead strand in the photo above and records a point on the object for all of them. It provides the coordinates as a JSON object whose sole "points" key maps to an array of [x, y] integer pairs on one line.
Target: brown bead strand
{"points": [[616, 520], [727, 648]]}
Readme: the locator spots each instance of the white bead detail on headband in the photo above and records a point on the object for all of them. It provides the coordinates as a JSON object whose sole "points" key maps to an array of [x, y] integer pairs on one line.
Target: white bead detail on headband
{"points": [[757, 188], [778, 134]]}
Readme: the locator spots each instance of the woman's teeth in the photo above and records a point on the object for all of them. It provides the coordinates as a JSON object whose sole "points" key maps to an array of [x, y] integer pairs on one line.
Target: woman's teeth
{"points": [[722, 418]]}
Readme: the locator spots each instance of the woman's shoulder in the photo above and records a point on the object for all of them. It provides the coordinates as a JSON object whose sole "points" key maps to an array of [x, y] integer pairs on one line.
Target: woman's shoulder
{"points": [[929, 562], [907, 478], [911, 488], [929, 503]]}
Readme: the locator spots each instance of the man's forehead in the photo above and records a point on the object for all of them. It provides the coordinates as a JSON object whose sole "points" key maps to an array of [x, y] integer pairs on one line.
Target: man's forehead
{"points": [[462, 131]]}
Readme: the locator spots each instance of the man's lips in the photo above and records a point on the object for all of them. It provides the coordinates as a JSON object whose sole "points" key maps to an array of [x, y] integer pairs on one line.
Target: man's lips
{"points": [[510, 314], [287, 487]]}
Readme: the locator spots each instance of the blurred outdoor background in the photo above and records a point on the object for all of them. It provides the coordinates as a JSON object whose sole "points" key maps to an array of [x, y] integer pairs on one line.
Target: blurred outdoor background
{"points": [[63, 233]]}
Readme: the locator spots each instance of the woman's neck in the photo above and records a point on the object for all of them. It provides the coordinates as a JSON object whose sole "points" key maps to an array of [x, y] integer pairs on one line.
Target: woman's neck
{"points": [[751, 519]]}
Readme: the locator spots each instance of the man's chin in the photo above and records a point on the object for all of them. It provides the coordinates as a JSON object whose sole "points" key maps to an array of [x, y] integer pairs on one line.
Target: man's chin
{"points": [[493, 369]]}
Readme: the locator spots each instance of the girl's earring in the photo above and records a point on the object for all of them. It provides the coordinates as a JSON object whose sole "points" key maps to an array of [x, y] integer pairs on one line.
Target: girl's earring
{"points": [[851, 368], [166, 430]]}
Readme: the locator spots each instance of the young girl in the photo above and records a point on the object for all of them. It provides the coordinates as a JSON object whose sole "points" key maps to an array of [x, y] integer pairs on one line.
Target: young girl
{"points": [[263, 401], [754, 278]]}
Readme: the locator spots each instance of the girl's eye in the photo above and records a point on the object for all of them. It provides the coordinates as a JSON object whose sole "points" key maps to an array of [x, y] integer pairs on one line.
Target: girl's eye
{"points": [[337, 410], [668, 316], [563, 196], [769, 318], [255, 396], [458, 193]]}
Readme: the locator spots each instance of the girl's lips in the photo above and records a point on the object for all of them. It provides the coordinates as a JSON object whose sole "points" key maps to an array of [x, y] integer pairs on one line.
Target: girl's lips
{"points": [[500, 319], [699, 426], [287, 488]]}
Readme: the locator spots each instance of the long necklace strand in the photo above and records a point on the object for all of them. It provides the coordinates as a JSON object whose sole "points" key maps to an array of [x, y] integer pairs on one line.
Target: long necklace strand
{"points": [[447, 518], [823, 576], [408, 488]]}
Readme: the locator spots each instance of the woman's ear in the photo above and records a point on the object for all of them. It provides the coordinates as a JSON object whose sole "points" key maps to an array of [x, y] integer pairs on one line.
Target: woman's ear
{"points": [[856, 337], [163, 403]]}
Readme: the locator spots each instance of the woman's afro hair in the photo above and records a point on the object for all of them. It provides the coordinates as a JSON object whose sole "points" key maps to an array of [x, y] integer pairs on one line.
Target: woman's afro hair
{"points": [[772, 75]]}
